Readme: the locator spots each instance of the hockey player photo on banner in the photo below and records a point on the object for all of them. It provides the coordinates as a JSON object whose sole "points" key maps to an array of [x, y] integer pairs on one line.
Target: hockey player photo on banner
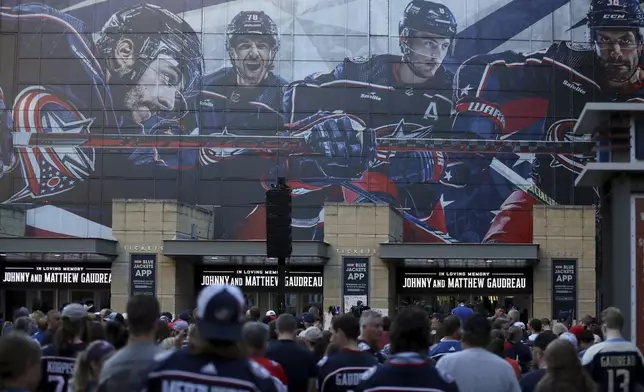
{"points": [[459, 116]]}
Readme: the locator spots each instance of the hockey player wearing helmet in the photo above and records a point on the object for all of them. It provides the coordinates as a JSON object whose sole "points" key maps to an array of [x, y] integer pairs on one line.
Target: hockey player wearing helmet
{"points": [[245, 98], [386, 95], [427, 31], [150, 72], [539, 96], [242, 99], [616, 33], [252, 42]]}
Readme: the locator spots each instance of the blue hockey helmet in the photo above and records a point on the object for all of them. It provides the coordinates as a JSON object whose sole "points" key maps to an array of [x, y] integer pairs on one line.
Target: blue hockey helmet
{"points": [[615, 14], [428, 17], [155, 31], [252, 23]]}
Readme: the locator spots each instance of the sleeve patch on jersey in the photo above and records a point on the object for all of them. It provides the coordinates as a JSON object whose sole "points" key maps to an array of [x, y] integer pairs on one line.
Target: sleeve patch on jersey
{"points": [[487, 109], [364, 346]]}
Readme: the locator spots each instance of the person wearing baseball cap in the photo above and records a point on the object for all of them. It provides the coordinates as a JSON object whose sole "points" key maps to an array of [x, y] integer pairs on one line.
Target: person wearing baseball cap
{"points": [[214, 359], [59, 358]]}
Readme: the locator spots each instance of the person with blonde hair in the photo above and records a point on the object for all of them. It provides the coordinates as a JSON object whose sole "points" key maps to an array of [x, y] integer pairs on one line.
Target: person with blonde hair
{"points": [[563, 370], [89, 364]]}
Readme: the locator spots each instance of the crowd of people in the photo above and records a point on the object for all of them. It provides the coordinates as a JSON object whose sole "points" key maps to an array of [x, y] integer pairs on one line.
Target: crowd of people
{"points": [[221, 346]]}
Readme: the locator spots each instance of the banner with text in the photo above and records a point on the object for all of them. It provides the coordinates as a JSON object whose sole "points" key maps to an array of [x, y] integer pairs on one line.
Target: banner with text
{"points": [[355, 281], [56, 274], [262, 278], [564, 289], [518, 280], [143, 275]]}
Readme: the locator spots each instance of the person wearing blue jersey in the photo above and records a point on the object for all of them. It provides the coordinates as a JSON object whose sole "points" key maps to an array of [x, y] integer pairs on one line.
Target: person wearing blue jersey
{"points": [[342, 371], [451, 342], [615, 364], [408, 368], [462, 311], [215, 359]]}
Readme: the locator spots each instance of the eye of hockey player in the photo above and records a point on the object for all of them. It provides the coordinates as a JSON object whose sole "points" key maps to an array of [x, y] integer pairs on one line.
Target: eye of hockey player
{"points": [[620, 52], [427, 52], [156, 90], [252, 58]]}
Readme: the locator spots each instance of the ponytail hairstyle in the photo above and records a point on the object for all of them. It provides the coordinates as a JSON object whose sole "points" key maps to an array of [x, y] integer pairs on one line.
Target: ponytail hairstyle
{"points": [[84, 373]]}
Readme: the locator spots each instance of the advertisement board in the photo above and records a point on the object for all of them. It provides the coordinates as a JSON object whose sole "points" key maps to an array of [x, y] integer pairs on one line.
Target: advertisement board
{"points": [[52, 274], [355, 281], [251, 89], [465, 281], [262, 278], [143, 277], [564, 290]]}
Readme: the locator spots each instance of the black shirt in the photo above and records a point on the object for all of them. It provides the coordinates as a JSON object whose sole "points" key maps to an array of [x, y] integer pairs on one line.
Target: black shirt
{"points": [[298, 363], [342, 371], [58, 367]]}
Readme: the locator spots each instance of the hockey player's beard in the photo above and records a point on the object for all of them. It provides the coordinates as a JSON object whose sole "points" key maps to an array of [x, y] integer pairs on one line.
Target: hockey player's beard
{"points": [[620, 71], [134, 101]]}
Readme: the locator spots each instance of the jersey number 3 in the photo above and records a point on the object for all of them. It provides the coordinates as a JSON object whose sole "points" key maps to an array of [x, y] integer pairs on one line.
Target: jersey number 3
{"points": [[621, 376]]}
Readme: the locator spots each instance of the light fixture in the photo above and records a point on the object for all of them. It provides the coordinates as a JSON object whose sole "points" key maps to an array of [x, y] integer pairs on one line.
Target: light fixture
{"points": [[430, 260], [56, 255], [489, 261], [3, 254], [213, 258]]}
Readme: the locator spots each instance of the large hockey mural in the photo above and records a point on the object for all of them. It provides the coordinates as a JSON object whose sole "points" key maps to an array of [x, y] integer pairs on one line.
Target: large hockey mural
{"points": [[460, 113]]}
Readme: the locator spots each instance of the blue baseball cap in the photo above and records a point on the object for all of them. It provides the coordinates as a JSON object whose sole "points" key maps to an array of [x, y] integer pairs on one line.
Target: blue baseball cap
{"points": [[308, 318], [220, 313]]}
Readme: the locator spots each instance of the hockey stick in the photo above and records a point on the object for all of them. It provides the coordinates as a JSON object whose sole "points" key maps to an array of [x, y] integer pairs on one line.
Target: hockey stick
{"points": [[527, 186], [420, 224], [471, 146]]}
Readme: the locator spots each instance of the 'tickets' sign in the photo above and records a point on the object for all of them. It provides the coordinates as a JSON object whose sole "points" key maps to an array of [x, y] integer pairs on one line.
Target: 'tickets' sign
{"points": [[355, 287], [465, 280], [564, 289], [261, 278], [143, 274], [57, 274]]}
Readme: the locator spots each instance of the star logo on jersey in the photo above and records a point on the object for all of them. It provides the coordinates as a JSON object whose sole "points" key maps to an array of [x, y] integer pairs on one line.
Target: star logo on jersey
{"points": [[405, 130], [77, 161], [48, 171], [465, 91]]}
